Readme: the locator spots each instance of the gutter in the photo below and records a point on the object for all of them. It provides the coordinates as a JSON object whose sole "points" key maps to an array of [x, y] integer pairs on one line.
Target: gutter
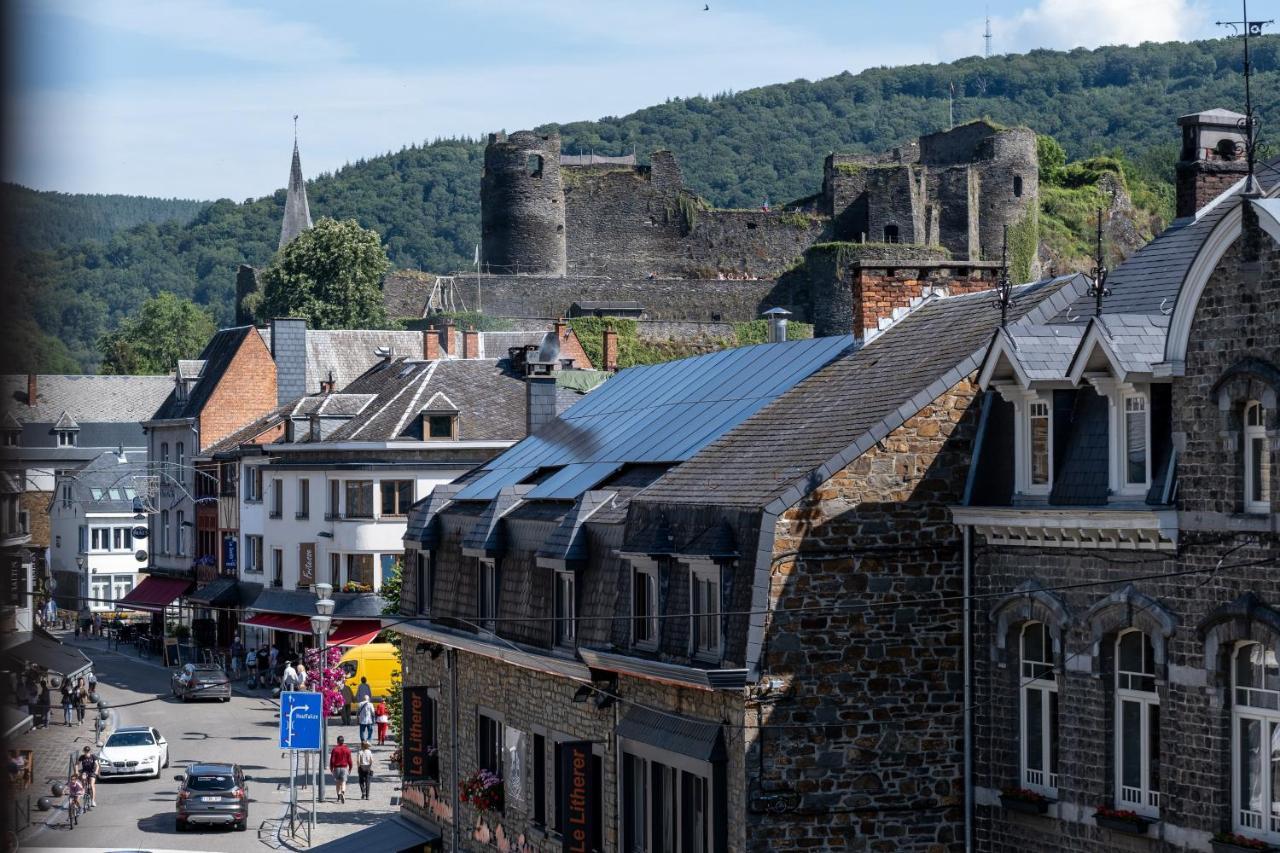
{"points": [[322, 446]]}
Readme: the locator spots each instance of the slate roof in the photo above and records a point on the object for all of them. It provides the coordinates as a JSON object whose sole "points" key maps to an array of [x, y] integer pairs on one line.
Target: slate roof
{"points": [[1136, 339], [302, 602], [657, 413], [567, 542], [347, 353], [87, 398], [1081, 476], [217, 356], [1044, 351], [105, 484], [674, 733], [497, 344], [929, 350]]}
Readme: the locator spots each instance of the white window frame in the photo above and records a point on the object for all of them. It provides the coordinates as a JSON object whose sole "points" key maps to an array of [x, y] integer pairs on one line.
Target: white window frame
{"points": [[1256, 433], [1025, 406], [164, 531], [1118, 394], [1144, 799], [1044, 781], [566, 608], [181, 536], [66, 438], [1247, 821], [646, 572], [303, 510], [1144, 406], [1039, 408], [252, 557], [675, 768], [276, 510], [705, 618]]}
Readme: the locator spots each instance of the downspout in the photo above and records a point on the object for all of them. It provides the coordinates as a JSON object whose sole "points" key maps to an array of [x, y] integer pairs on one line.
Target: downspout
{"points": [[453, 711], [968, 624]]}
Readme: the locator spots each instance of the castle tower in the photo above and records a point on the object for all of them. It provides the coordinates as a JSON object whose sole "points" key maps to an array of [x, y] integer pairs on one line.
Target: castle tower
{"points": [[297, 216], [1212, 158], [522, 205]]}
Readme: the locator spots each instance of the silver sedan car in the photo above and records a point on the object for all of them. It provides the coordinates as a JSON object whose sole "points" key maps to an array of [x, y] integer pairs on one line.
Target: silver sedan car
{"points": [[201, 681]]}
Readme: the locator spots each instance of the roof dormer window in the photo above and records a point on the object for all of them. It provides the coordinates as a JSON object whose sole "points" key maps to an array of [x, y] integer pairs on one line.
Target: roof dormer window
{"points": [[1136, 457], [12, 437], [66, 438], [440, 426]]}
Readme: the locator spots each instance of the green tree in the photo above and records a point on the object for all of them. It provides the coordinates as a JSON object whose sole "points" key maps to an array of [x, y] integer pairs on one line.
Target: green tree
{"points": [[331, 275], [166, 329], [1052, 159]]}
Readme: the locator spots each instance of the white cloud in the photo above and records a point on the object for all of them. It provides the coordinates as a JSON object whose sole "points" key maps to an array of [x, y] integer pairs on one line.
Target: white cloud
{"points": [[1066, 24], [210, 26]]}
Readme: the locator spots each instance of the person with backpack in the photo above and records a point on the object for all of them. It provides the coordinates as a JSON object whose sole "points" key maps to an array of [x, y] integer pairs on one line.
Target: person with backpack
{"points": [[80, 695], [365, 716]]}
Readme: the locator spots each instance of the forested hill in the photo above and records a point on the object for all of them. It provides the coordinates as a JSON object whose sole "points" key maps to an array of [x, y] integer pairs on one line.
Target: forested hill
{"points": [[48, 220], [736, 150]]}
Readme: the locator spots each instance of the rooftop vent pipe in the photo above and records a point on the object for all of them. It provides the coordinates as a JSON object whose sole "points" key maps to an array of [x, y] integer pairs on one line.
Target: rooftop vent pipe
{"points": [[777, 318]]}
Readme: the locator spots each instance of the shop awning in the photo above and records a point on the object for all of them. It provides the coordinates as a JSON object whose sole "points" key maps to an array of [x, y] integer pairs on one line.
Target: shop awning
{"points": [[155, 593], [42, 650], [280, 622], [217, 593], [354, 632]]}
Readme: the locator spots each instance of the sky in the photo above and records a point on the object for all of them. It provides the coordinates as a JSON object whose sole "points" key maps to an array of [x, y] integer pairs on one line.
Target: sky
{"points": [[196, 98]]}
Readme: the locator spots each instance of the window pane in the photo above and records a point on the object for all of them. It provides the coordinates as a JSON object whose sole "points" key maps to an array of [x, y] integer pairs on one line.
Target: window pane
{"points": [[1131, 651], [1250, 752], [1260, 470], [1274, 750], [1053, 737], [360, 569], [1153, 747], [635, 794], [1135, 431], [1039, 444], [642, 607], [1034, 700], [1131, 744]]}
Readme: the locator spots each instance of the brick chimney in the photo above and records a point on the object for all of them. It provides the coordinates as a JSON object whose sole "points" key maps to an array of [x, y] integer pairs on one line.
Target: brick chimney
{"points": [[560, 327], [431, 344], [449, 339], [1212, 158], [326, 385], [31, 389], [471, 343], [609, 352]]}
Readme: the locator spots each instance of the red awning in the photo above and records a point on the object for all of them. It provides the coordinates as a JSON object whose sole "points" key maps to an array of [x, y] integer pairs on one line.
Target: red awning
{"points": [[354, 632], [281, 622], [155, 593]]}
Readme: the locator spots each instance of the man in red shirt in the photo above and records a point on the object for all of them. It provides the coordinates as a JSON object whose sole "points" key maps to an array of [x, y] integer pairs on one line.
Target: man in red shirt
{"points": [[340, 766]]}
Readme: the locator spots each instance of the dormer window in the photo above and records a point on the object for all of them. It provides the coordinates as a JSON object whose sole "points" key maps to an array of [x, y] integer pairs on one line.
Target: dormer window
{"points": [[1136, 455], [12, 437], [440, 427], [1257, 459], [1033, 439], [66, 438]]}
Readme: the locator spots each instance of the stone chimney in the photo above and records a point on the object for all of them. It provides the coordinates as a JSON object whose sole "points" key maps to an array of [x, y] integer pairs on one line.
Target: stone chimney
{"points": [[289, 351], [1212, 159], [431, 344], [609, 350], [31, 389], [540, 400], [471, 343]]}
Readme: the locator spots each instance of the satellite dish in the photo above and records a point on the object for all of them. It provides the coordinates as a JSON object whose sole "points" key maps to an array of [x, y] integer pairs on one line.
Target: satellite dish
{"points": [[549, 350], [140, 556]]}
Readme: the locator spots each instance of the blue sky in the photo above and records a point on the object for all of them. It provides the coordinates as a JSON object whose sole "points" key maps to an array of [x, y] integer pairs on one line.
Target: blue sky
{"points": [[195, 98]]}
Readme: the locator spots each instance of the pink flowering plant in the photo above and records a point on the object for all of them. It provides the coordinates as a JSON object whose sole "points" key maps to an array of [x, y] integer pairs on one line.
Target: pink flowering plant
{"points": [[328, 679], [483, 789]]}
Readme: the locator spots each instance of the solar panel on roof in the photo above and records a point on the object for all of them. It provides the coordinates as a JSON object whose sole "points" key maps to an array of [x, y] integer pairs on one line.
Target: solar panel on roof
{"points": [[572, 480]]}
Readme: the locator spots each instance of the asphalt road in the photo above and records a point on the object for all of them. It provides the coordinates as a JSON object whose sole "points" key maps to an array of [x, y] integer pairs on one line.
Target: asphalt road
{"points": [[136, 814]]}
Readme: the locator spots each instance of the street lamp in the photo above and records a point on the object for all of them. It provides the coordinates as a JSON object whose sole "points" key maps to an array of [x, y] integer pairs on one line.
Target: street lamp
{"points": [[82, 582], [320, 627]]}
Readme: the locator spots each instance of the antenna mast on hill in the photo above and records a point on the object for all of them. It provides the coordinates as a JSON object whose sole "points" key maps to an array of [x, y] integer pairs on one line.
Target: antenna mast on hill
{"points": [[986, 35], [1249, 124]]}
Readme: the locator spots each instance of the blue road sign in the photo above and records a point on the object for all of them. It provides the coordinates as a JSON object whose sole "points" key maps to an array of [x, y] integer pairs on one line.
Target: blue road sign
{"points": [[300, 720]]}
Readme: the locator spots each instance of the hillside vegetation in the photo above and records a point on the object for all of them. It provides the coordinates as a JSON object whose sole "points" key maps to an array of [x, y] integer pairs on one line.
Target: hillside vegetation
{"points": [[47, 220], [736, 150]]}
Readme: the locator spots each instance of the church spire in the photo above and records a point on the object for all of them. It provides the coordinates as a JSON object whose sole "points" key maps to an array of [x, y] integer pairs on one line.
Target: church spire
{"points": [[297, 216]]}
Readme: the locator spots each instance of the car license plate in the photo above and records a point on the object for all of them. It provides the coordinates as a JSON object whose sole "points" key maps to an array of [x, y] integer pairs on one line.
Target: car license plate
{"points": [[211, 799]]}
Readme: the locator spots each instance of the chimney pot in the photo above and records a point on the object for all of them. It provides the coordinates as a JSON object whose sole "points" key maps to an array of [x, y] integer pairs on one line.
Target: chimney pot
{"points": [[471, 343], [31, 389]]}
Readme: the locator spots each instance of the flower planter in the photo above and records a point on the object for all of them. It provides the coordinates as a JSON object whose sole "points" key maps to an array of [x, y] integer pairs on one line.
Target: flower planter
{"points": [[1132, 826], [1229, 847], [1018, 804]]}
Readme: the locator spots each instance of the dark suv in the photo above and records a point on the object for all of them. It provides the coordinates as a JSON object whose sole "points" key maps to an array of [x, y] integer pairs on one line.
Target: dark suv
{"points": [[213, 794]]}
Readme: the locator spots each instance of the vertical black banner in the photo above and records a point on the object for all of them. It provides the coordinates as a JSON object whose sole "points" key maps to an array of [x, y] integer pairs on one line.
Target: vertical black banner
{"points": [[417, 735], [577, 817]]}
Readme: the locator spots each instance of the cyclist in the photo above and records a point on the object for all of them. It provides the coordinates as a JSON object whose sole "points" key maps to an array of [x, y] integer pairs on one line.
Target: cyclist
{"points": [[89, 773], [75, 798]]}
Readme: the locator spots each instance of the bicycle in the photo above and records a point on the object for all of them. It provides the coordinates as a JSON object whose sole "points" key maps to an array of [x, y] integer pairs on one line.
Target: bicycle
{"points": [[74, 809]]}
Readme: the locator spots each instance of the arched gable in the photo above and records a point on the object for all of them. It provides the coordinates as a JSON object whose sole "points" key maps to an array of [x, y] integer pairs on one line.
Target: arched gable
{"points": [[1029, 602], [1129, 608], [1247, 618], [1223, 235]]}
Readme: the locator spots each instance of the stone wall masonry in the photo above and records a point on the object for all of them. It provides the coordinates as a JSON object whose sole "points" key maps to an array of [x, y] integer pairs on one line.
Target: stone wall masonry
{"points": [[1200, 182], [537, 703], [36, 505], [522, 204], [869, 753]]}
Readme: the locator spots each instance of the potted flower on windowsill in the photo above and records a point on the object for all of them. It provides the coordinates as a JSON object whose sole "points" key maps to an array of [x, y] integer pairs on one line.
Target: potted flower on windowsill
{"points": [[1230, 842], [1122, 820], [1024, 800], [483, 790], [356, 586]]}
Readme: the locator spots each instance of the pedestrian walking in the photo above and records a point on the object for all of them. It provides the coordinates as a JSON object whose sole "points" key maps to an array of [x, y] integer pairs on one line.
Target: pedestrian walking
{"points": [[302, 676], [68, 705], [264, 675], [80, 696], [93, 682], [89, 773], [97, 625], [382, 717], [43, 705], [289, 681], [237, 658], [364, 691], [273, 658], [364, 768], [340, 767], [365, 717]]}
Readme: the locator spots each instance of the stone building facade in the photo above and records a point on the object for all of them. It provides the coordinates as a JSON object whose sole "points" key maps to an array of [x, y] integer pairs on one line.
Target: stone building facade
{"points": [[1125, 633]]}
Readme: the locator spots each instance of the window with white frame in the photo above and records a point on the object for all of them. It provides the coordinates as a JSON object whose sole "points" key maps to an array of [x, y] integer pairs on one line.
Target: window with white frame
{"points": [[66, 438], [164, 531], [277, 498], [565, 609], [252, 483], [181, 528], [1137, 741], [1135, 455], [181, 473], [704, 601], [252, 553], [1038, 465], [1257, 459], [488, 594], [1255, 727], [644, 605], [121, 585], [1039, 709], [665, 808], [100, 592]]}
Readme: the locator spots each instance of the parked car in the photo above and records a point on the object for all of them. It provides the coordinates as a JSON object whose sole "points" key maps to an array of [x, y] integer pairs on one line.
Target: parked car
{"points": [[201, 681], [213, 794], [133, 751]]}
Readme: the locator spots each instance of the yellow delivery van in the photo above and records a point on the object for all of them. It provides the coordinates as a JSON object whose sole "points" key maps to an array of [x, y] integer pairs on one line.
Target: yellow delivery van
{"points": [[377, 662]]}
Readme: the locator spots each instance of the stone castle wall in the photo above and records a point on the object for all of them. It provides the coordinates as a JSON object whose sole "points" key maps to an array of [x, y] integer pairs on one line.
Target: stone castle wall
{"points": [[522, 218]]}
